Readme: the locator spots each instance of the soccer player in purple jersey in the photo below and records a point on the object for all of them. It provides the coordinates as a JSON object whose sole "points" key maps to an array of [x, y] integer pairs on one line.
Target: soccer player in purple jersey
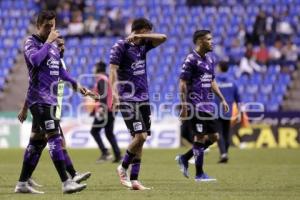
{"points": [[37, 135], [42, 57], [128, 71], [197, 85]]}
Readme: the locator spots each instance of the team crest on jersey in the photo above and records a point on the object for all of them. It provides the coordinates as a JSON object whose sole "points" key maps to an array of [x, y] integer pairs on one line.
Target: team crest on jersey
{"points": [[49, 124], [199, 128], [137, 126]]}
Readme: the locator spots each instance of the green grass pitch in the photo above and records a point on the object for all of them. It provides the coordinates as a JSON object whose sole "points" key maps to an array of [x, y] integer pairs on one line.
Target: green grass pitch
{"points": [[258, 174]]}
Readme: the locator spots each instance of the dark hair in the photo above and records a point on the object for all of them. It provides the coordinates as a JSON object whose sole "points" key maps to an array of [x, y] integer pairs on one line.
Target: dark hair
{"points": [[199, 34], [45, 15], [223, 66], [100, 67], [141, 23]]}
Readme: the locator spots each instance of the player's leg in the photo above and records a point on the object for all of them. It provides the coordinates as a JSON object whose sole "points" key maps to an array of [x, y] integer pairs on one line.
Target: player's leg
{"points": [[225, 135], [145, 118], [203, 125], [32, 155], [95, 132], [50, 126], [221, 142], [135, 123], [109, 133], [76, 176]]}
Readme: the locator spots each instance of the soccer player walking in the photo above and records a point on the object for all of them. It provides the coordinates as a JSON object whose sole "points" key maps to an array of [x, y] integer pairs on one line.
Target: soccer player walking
{"points": [[38, 137], [42, 57], [230, 91], [197, 84], [128, 78], [104, 117]]}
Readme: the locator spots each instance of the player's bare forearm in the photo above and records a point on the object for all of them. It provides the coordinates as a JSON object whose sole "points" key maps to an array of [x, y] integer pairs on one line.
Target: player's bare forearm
{"points": [[113, 77], [216, 90], [183, 91], [156, 38]]}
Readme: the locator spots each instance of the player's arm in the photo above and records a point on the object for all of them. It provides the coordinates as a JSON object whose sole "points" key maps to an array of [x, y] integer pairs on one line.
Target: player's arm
{"points": [[64, 75], [22, 116], [37, 56], [217, 91], [183, 97], [113, 78], [155, 38]]}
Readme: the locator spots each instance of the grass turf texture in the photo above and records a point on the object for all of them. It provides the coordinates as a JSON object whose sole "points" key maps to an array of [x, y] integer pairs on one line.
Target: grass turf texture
{"points": [[250, 174]]}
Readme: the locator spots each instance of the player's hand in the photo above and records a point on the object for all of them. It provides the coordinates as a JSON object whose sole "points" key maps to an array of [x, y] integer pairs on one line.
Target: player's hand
{"points": [[115, 103], [93, 95], [132, 37], [183, 112], [22, 116], [83, 90], [61, 46], [225, 106], [54, 34]]}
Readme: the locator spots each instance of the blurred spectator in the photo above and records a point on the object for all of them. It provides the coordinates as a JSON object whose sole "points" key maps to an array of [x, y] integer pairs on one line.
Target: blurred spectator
{"points": [[259, 28], [220, 52], [248, 64], [64, 15], [76, 26], [262, 54], [236, 52], [78, 5], [242, 34], [48, 4], [275, 53], [118, 26], [290, 52], [90, 25], [284, 28], [271, 24], [104, 26]]}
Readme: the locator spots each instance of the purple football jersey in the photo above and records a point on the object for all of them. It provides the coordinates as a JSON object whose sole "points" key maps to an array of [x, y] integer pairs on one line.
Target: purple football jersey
{"points": [[199, 74], [45, 70], [132, 72]]}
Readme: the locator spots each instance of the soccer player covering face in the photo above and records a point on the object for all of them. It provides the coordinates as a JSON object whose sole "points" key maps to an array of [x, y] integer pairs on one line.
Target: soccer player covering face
{"points": [[42, 57], [128, 78], [38, 137], [197, 84]]}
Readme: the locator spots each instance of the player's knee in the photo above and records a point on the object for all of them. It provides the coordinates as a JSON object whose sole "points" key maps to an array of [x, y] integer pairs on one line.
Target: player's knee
{"points": [[214, 137], [37, 146], [36, 135], [141, 137], [52, 134], [199, 138]]}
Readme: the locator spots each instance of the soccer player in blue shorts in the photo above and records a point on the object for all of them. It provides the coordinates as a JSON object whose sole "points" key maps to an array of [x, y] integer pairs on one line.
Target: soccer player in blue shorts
{"points": [[197, 85], [42, 57], [37, 135], [128, 71]]}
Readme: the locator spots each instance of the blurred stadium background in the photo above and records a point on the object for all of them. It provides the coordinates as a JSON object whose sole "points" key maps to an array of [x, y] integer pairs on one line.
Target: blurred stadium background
{"points": [[259, 38]]}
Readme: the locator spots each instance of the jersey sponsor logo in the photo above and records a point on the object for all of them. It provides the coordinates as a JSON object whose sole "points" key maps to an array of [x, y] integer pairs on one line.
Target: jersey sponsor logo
{"points": [[137, 126], [138, 64], [52, 63], [205, 85], [206, 78], [140, 72], [199, 128], [54, 73], [49, 124]]}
